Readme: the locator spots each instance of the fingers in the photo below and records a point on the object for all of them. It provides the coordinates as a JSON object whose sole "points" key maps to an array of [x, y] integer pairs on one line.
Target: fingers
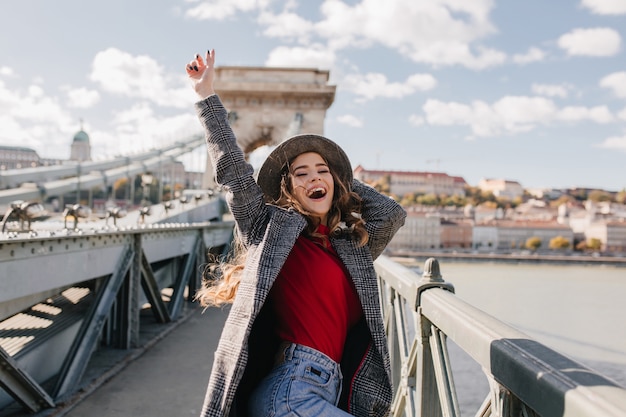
{"points": [[192, 67], [198, 64]]}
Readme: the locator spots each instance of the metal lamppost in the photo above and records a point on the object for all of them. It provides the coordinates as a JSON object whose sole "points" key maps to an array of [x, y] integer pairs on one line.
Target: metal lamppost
{"points": [[146, 181]]}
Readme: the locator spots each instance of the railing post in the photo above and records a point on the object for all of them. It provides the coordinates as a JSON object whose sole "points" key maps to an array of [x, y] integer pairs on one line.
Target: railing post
{"points": [[435, 394]]}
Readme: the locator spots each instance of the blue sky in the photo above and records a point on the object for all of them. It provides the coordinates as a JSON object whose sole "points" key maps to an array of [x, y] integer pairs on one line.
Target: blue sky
{"points": [[532, 91]]}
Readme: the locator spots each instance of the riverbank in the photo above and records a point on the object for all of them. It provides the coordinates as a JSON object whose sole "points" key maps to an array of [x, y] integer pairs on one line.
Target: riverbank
{"points": [[417, 258]]}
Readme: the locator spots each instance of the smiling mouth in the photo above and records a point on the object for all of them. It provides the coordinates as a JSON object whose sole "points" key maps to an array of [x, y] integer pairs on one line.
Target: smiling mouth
{"points": [[316, 193]]}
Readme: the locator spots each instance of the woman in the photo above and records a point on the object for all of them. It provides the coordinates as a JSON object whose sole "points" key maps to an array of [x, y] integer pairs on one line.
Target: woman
{"points": [[305, 334]]}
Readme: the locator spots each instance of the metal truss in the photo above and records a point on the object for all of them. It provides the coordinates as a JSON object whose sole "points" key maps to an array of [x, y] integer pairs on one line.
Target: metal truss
{"points": [[158, 264]]}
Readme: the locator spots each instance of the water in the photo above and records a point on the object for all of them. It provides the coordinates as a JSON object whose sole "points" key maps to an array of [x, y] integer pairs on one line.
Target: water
{"points": [[576, 310]]}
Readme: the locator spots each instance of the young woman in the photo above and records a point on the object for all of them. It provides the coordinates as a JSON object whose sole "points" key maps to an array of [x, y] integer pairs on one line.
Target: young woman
{"points": [[305, 334]]}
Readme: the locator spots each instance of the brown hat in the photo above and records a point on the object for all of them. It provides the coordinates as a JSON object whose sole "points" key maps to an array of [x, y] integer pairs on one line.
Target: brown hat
{"points": [[276, 163]]}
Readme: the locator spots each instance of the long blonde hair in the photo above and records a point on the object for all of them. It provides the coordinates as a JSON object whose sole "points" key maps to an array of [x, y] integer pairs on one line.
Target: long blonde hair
{"points": [[221, 279]]}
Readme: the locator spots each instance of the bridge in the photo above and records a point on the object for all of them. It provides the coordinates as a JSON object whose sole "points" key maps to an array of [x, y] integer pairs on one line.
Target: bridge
{"points": [[80, 304], [61, 332], [41, 183]]}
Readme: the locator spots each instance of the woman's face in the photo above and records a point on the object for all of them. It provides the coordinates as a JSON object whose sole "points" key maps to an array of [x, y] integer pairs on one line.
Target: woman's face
{"points": [[312, 184]]}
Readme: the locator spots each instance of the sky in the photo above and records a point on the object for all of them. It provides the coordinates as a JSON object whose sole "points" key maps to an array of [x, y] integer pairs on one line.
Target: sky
{"points": [[531, 91]]}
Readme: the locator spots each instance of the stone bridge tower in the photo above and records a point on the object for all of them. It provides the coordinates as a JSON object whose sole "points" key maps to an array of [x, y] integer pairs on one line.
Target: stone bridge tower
{"points": [[268, 105]]}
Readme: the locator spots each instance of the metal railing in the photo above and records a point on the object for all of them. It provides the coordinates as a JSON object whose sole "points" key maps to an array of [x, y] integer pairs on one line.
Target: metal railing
{"points": [[65, 297], [525, 377]]}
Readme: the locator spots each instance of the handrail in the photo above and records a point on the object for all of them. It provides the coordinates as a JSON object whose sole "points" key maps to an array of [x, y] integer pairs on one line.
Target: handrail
{"points": [[526, 377]]}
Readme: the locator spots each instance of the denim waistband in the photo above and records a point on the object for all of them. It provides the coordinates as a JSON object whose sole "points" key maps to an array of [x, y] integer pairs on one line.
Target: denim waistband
{"points": [[288, 351]]}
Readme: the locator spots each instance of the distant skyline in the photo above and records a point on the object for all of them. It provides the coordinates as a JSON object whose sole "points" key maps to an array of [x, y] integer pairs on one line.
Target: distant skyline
{"points": [[533, 91]]}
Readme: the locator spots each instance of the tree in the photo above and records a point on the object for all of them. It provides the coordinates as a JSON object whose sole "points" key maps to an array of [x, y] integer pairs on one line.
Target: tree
{"points": [[564, 199], [383, 185], [429, 200], [594, 244], [559, 242], [120, 189], [599, 195], [533, 243]]}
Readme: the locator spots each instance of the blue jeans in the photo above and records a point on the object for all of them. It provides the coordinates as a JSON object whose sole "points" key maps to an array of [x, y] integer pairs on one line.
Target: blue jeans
{"points": [[304, 383]]}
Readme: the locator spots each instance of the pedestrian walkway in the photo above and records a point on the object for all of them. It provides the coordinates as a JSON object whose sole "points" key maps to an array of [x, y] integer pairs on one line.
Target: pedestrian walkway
{"points": [[168, 380]]}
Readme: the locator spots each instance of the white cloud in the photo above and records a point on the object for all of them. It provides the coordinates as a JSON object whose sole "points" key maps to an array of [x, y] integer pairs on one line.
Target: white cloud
{"points": [[139, 128], [286, 25], [614, 142], [615, 82], [435, 32], [591, 42], [32, 118], [6, 71], [551, 90], [221, 9], [605, 6], [121, 73], [82, 98], [509, 115], [622, 114], [533, 55], [416, 120], [598, 114], [314, 56], [373, 85], [350, 120]]}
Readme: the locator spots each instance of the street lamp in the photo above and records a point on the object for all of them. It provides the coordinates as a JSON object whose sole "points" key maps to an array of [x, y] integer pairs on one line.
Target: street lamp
{"points": [[146, 181]]}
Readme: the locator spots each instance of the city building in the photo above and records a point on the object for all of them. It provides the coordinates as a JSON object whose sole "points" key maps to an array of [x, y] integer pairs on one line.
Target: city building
{"points": [[401, 183], [420, 232], [81, 148], [612, 234], [456, 234], [502, 188], [17, 157], [508, 234]]}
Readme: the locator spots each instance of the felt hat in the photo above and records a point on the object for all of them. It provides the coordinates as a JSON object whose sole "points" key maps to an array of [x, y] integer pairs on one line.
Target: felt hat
{"points": [[276, 163]]}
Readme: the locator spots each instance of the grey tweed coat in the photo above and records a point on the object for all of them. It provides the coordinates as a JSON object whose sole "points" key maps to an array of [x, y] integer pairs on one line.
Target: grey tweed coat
{"points": [[269, 233]]}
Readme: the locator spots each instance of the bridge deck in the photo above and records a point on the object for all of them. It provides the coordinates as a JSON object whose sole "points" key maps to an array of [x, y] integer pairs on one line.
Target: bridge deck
{"points": [[168, 379]]}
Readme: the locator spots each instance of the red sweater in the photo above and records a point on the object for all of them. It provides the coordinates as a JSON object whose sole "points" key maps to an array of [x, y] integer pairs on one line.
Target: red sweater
{"points": [[314, 297]]}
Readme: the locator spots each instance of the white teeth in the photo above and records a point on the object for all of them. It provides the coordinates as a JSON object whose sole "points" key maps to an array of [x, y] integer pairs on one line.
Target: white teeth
{"points": [[317, 192]]}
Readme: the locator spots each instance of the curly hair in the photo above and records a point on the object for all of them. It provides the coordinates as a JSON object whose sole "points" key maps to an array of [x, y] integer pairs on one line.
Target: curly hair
{"points": [[219, 284]]}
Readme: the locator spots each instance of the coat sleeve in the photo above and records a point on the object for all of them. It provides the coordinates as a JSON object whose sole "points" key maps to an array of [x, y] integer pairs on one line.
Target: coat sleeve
{"points": [[232, 172], [383, 216]]}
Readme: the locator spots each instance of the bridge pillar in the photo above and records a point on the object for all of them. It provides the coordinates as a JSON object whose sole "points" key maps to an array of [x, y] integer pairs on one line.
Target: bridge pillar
{"points": [[267, 105]]}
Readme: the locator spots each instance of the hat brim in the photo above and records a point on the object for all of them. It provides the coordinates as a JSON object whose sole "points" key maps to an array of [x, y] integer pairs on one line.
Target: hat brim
{"points": [[276, 163]]}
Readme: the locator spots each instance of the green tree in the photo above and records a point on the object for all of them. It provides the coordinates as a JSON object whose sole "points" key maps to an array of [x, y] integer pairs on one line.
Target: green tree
{"points": [[429, 200], [120, 188], [599, 195], [383, 185], [594, 244], [564, 199], [559, 242], [533, 243]]}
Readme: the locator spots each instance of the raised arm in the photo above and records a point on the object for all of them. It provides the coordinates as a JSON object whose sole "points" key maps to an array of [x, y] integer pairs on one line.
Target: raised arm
{"points": [[383, 216], [244, 197]]}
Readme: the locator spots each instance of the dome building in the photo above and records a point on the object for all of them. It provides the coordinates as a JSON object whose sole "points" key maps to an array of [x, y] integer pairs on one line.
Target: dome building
{"points": [[81, 148]]}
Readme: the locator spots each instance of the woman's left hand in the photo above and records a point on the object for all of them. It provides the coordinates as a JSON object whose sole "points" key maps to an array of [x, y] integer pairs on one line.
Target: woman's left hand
{"points": [[201, 73]]}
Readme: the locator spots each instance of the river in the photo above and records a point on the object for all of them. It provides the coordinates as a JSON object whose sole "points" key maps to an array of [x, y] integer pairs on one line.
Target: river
{"points": [[577, 310]]}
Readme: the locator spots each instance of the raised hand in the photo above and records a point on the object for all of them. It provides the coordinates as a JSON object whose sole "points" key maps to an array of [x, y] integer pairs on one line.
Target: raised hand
{"points": [[201, 72]]}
